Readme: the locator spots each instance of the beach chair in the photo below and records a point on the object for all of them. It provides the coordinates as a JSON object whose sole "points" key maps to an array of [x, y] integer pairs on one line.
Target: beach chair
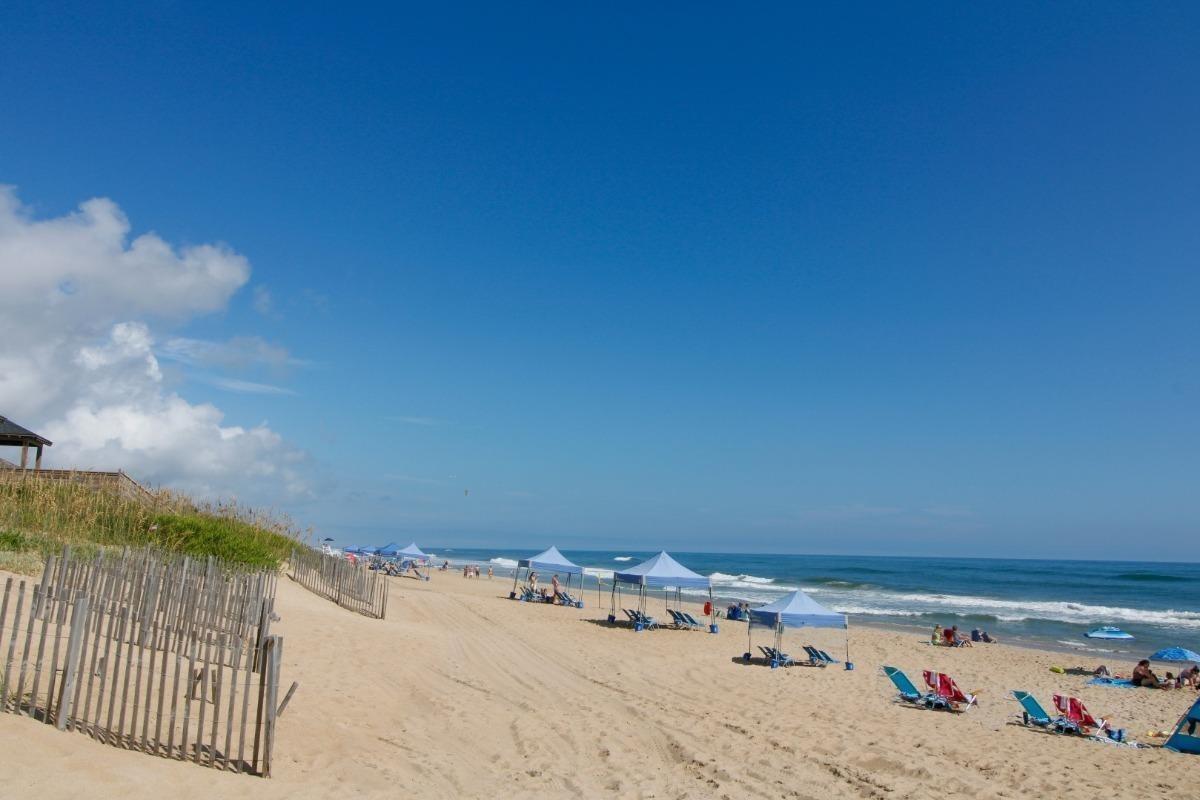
{"points": [[677, 619], [1185, 738], [646, 620], [1073, 709], [780, 658], [1032, 713], [908, 691], [690, 619], [631, 614], [819, 656], [814, 656], [777, 658], [948, 690]]}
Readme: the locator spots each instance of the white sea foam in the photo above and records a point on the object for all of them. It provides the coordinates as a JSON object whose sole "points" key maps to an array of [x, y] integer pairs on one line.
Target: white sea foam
{"points": [[623, 558], [596, 572], [1007, 610], [504, 562]]}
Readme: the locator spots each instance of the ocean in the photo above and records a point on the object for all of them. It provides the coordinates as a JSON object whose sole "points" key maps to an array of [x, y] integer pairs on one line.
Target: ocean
{"points": [[1043, 603]]}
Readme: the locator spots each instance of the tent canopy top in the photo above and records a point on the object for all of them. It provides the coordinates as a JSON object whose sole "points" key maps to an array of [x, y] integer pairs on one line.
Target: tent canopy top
{"points": [[662, 571], [797, 610], [552, 561]]}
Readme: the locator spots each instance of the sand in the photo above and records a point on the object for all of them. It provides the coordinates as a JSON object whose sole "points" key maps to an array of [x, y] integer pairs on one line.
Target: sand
{"points": [[464, 693]]}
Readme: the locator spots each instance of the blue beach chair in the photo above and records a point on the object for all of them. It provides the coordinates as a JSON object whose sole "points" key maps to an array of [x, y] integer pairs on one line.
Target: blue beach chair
{"points": [[1032, 713], [819, 656], [910, 694], [1185, 738], [646, 620], [691, 620]]}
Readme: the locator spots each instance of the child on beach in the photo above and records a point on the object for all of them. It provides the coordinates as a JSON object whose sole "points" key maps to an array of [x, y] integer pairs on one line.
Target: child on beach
{"points": [[936, 638]]}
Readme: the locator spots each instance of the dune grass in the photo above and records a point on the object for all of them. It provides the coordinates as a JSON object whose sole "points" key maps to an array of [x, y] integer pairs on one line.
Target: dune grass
{"points": [[39, 516]]}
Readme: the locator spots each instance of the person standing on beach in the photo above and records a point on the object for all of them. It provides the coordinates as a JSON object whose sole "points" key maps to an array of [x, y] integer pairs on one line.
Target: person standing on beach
{"points": [[554, 588], [533, 581], [489, 572]]}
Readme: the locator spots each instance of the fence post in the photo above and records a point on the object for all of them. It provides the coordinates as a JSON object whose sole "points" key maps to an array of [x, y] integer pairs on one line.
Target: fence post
{"points": [[79, 618]]}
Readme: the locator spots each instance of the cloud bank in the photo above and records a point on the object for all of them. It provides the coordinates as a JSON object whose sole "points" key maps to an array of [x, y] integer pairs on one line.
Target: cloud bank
{"points": [[80, 302]]}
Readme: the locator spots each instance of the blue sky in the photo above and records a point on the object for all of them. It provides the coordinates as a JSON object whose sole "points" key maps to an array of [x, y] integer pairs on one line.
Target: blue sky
{"points": [[785, 280]]}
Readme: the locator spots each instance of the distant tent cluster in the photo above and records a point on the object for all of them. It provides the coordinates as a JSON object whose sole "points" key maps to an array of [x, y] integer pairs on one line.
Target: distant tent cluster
{"points": [[660, 572], [392, 551]]}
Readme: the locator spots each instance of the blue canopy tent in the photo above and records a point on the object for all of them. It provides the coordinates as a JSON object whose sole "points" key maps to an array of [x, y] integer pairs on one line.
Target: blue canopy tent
{"points": [[661, 572], [355, 549], [794, 610], [389, 550], [550, 561], [410, 553]]}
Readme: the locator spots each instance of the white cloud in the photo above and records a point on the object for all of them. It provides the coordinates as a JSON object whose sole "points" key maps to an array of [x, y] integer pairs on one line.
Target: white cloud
{"points": [[79, 301], [263, 302], [245, 387], [240, 352]]}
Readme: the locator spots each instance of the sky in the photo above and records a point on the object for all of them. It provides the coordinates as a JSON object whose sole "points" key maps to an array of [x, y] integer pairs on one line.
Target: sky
{"points": [[870, 279]]}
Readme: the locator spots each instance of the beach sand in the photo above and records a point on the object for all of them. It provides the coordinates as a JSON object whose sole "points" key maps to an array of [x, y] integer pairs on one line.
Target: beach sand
{"points": [[464, 693]]}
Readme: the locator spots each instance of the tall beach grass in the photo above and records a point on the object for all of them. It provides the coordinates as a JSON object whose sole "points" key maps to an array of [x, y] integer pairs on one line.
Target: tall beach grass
{"points": [[39, 516]]}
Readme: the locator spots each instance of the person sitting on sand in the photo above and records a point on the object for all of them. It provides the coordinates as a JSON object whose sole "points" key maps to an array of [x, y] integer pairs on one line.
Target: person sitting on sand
{"points": [[1144, 676], [554, 587], [533, 582], [950, 637], [954, 639], [937, 638], [1190, 677]]}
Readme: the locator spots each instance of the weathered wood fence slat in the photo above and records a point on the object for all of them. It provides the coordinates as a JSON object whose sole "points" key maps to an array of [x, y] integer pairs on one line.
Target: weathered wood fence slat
{"points": [[351, 586], [113, 646]]}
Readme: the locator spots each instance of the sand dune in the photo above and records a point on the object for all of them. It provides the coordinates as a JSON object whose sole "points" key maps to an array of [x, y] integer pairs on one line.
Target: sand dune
{"points": [[462, 693]]}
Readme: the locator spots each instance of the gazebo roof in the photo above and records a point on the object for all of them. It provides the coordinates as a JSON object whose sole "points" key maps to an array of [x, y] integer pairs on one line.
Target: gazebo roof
{"points": [[12, 434]]}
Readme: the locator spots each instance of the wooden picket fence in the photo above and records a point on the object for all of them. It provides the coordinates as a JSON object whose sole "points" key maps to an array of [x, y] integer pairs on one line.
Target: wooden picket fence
{"points": [[147, 651], [351, 586]]}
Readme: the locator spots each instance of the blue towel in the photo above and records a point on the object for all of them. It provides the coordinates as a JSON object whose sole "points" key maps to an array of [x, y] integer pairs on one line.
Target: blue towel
{"points": [[1119, 683]]}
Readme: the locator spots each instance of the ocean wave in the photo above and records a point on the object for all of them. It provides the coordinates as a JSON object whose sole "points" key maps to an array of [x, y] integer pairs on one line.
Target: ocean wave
{"points": [[623, 558], [503, 562], [721, 577], [596, 572], [867, 611], [1155, 577], [1058, 611], [837, 583]]}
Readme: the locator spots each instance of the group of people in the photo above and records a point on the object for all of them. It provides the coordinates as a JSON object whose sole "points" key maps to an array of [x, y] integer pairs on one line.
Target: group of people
{"points": [[548, 594], [1144, 676], [472, 571], [950, 637]]}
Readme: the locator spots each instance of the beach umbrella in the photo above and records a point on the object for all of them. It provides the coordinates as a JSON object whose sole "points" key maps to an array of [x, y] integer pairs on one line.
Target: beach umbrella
{"points": [[1175, 654]]}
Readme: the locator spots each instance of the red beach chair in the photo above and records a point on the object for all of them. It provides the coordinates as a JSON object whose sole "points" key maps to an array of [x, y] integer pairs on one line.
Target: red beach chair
{"points": [[945, 687], [1074, 710]]}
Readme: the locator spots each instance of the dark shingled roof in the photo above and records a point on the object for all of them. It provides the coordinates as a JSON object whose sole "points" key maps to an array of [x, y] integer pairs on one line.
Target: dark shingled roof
{"points": [[14, 435]]}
